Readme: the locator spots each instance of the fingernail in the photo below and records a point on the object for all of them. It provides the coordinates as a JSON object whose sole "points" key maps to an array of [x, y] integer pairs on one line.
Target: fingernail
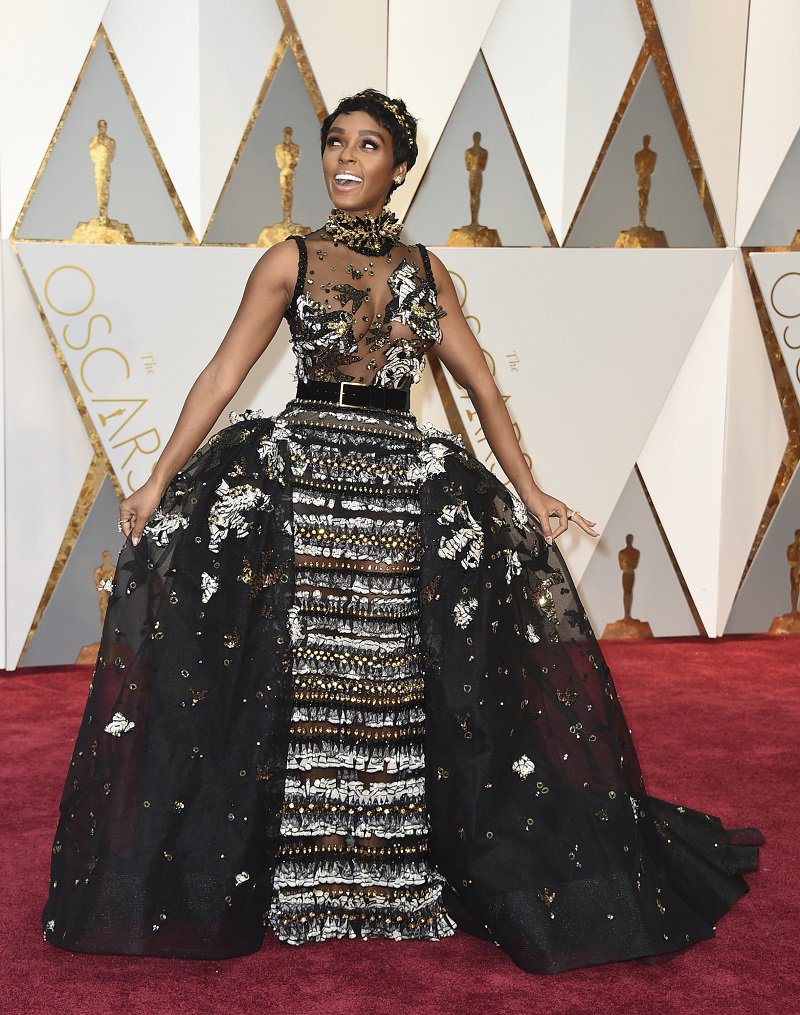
{"points": [[135, 540]]}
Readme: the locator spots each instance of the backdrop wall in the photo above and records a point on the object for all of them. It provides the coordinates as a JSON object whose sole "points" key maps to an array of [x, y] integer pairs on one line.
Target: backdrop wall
{"points": [[656, 389]]}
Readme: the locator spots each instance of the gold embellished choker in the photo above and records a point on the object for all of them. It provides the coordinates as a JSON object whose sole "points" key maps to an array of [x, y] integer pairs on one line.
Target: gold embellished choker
{"points": [[373, 236]]}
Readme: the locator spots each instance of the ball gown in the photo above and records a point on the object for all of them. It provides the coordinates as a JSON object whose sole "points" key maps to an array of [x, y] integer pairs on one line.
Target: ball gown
{"points": [[345, 688]]}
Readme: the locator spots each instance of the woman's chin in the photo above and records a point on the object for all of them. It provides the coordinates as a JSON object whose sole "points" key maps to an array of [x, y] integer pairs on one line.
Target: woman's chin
{"points": [[352, 202]]}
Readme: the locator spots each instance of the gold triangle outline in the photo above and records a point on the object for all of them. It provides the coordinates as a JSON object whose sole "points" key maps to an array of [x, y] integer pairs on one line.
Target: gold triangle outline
{"points": [[302, 61], [101, 34], [548, 227], [272, 70], [787, 398], [639, 66], [289, 39], [540, 208], [669, 86], [85, 501], [653, 49], [701, 628]]}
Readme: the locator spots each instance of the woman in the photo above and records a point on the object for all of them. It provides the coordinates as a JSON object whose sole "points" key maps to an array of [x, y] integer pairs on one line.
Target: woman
{"points": [[346, 686]]}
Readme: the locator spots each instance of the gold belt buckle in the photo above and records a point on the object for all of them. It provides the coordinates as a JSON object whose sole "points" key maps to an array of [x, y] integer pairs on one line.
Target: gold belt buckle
{"points": [[348, 384]]}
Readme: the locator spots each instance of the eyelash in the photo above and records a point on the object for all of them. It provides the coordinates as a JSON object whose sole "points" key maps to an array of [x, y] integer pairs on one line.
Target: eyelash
{"points": [[332, 141]]}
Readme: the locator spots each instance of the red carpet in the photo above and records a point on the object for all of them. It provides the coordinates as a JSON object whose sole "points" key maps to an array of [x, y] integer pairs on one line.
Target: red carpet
{"points": [[717, 728]]}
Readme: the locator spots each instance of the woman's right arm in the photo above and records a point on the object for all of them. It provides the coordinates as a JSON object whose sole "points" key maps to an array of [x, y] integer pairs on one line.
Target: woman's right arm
{"points": [[266, 296]]}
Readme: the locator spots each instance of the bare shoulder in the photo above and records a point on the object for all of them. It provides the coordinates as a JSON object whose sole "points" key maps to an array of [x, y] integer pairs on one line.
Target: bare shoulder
{"points": [[277, 269]]}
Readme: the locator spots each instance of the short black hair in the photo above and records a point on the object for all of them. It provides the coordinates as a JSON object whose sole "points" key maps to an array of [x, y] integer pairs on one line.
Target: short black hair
{"points": [[391, 114]]}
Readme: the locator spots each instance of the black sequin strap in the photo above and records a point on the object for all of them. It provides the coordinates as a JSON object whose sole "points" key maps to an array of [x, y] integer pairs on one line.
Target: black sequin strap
{"points": [[302, 268], [426, 260]]}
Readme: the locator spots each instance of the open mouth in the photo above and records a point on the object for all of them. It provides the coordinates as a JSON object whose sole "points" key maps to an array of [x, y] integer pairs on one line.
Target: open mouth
{"points": [[346, 181]]}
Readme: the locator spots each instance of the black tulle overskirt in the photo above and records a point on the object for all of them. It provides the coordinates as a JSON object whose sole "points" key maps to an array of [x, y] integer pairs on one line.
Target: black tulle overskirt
{"points": [[539, 820]]}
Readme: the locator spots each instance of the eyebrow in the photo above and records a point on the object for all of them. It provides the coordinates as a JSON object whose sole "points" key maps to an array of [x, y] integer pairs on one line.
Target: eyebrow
{"points": [[340, 130]]}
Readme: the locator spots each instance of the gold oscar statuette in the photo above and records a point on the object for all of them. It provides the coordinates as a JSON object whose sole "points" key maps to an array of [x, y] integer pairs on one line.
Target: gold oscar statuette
{"points": [[643, 235], [474, 235], [287, 156], [628, 627], [103, 577], [789, 623], [102, 229]]}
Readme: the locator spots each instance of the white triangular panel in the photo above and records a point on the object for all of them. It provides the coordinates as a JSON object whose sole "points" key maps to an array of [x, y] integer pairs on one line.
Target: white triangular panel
{"points": [[237, 41], [560, 88], [40, 417], [604, 338], [162, 66], [429, 73], [135, 371], [755, 441], [682, 462], [43, 44], [598, 75], [527, 51], [779, 215], [770, 116], [698, 37], [196, 73], [367, 35]]}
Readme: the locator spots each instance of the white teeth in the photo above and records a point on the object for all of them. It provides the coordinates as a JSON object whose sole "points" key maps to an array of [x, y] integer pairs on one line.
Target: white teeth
{"points": [[347, 178]]}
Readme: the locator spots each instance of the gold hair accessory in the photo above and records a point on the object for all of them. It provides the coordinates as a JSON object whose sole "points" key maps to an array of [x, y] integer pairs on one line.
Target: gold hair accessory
{"points": [[394, 109]]}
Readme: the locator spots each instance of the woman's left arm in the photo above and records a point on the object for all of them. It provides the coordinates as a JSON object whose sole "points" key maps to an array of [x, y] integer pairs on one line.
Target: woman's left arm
{"points": [[463, 357]]}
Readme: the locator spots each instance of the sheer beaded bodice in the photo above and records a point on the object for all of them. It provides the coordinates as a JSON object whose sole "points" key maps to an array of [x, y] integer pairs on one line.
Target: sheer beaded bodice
{"points": [[362, 318]]}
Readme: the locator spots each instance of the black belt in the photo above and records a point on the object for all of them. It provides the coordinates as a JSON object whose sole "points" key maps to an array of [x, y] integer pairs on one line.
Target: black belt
{"points": [[362, 396]]}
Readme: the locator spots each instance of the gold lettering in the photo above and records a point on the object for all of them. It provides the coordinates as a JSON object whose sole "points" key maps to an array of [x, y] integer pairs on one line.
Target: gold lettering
{"points": [[138, 402], [773, 294], [60, 310], [773, 298], [786, 339], [135, 484], [92, 319], [94, 352], [137, 446]]}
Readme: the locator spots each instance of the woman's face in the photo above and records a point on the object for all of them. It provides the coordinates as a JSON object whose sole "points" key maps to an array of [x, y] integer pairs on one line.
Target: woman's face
{"points": [[358, 164]]}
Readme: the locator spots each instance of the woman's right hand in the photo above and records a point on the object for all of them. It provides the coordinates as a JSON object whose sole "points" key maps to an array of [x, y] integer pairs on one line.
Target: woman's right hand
{"points": [[135, 511]]}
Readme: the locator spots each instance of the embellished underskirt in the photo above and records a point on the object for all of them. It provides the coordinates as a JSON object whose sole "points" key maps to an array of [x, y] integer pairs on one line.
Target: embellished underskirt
{"points": [[257, 748], [353, 853]]}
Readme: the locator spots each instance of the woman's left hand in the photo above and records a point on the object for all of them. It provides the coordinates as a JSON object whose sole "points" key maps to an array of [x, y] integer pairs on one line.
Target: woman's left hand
{"points": [[546, 507]]}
